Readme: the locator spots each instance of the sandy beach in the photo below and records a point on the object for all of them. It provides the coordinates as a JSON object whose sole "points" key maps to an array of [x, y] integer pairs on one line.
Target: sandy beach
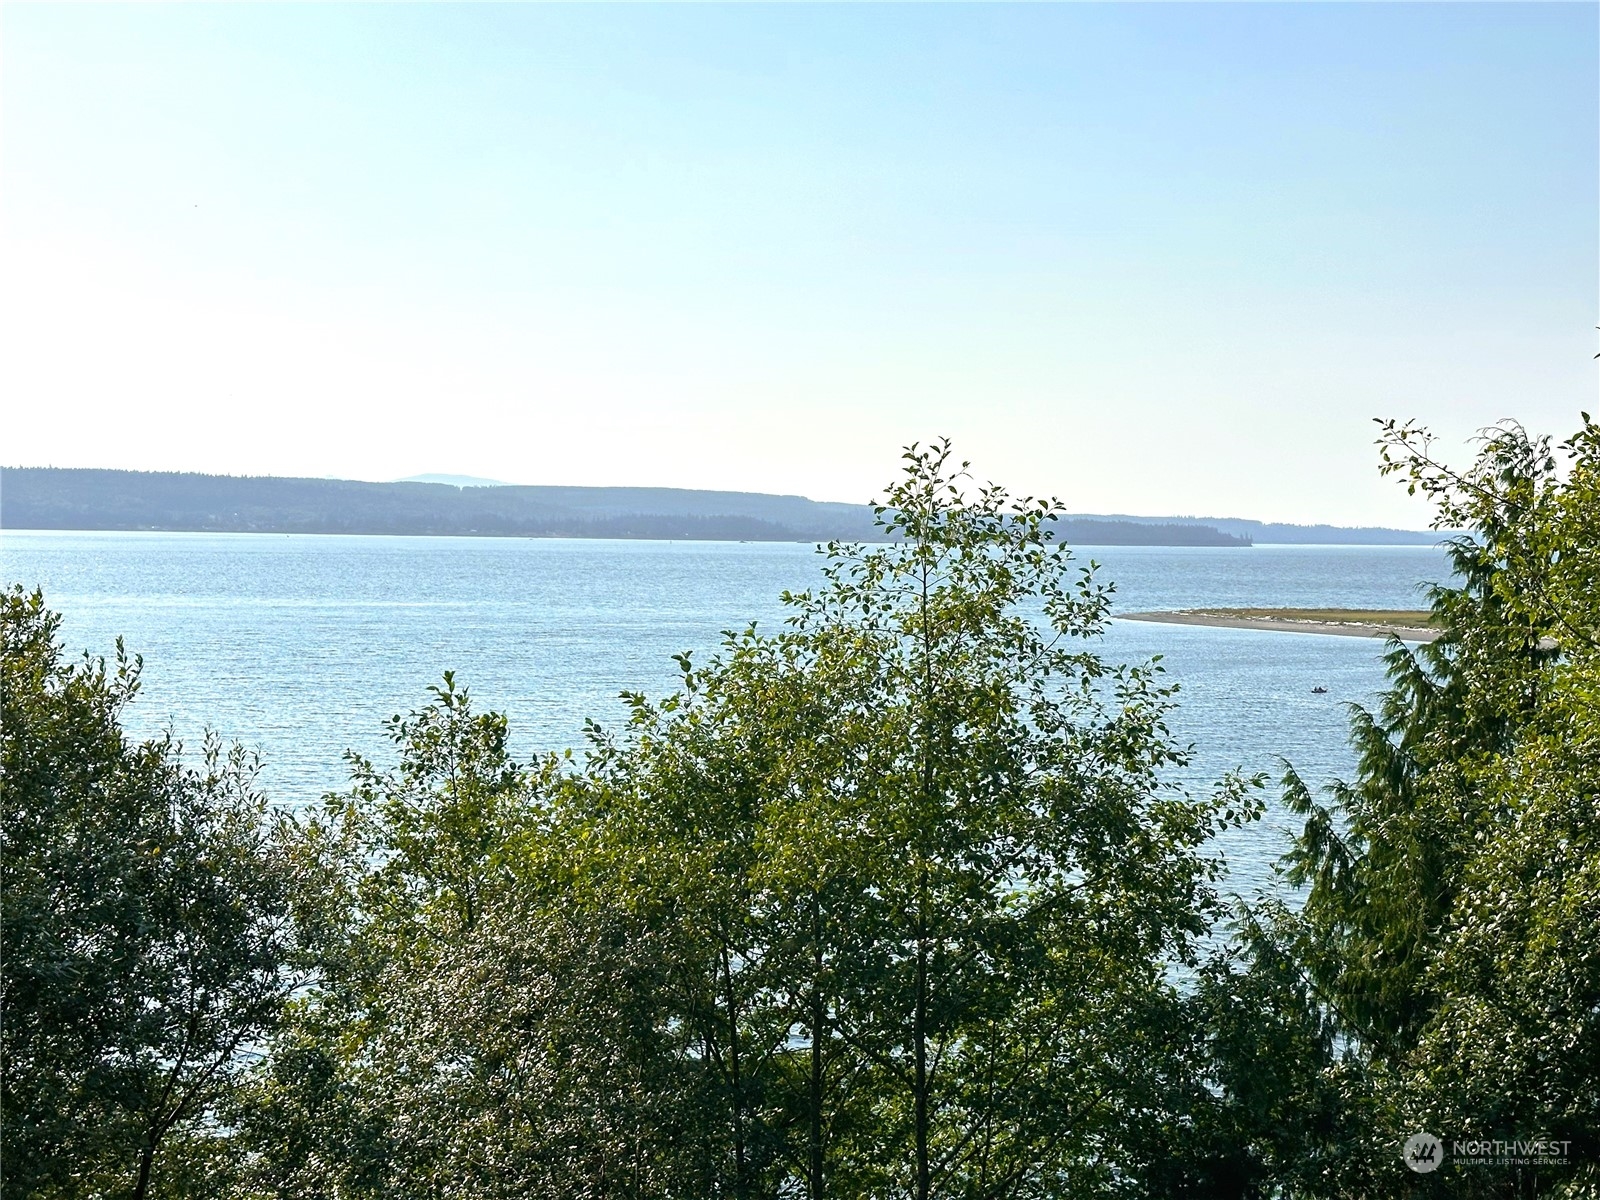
{"points": [[1286, 625]]}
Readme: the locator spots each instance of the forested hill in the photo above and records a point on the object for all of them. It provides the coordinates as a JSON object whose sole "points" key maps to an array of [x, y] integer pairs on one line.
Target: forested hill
{"points": [[61, 498], [1269, 533]]}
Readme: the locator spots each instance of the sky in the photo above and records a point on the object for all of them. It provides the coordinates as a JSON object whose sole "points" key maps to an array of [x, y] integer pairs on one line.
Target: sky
{"points": [[1148, 258]]}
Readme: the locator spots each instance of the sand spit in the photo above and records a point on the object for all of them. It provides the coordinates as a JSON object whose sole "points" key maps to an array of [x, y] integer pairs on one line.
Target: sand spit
{"points": [[1286, 625]]}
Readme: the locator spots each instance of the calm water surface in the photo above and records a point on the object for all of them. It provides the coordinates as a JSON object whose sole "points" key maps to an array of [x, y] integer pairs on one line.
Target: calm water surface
{"points": [[303, 645]]}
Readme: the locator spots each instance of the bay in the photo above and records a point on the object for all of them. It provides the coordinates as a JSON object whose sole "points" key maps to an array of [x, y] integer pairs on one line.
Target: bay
{"points": [[301, 646]]}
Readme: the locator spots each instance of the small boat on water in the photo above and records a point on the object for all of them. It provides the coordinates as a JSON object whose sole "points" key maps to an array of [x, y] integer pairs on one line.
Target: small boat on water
{"points": [[1319, 690]]}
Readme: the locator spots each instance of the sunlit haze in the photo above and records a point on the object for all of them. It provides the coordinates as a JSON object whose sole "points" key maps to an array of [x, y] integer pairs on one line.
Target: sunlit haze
{"points": [[1152, 259]]}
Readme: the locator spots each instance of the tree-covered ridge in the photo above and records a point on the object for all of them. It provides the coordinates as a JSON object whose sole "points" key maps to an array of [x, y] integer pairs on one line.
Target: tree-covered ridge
{"points": [[900, 901], [1281, 533], [59, 498]]}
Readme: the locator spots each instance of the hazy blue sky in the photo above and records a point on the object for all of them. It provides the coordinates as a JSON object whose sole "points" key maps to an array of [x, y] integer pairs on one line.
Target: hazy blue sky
{"points": [[1151, 258]]}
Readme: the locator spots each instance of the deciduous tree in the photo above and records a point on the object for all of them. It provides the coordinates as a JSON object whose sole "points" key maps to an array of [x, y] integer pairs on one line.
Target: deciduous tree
{"points": [[148, 928]]}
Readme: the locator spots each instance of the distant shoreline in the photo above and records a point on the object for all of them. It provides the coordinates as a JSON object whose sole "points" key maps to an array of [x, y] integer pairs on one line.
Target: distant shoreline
{"points": [[1354, 628], [59, 498]]}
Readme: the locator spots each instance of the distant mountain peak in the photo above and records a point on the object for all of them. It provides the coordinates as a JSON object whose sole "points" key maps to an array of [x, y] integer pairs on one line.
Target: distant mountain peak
{"points": [[460, 481]]}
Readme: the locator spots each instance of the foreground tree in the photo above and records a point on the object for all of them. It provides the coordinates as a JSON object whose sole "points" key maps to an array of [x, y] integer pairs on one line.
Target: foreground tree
{"points": [[1513, 1044], [1450, 885], [941, 885], [147, 923], [478, 1029]]}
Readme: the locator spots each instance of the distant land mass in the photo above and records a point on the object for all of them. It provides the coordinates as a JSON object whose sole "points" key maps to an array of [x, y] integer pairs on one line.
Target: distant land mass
{"points": [[459, 481], [84, 499], [1268, 533]]}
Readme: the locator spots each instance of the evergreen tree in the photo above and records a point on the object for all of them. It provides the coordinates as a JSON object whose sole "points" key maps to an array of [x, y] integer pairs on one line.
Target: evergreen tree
{"points": [[1448, 885]]}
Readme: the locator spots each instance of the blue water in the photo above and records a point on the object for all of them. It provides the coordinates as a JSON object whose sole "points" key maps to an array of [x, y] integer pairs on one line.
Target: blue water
{"points": [[302, 645]]}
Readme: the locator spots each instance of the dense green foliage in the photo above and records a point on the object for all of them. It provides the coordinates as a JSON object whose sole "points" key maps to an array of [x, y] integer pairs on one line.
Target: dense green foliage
{"points": [[1447, 935], [898, 900], [148, 924]]}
